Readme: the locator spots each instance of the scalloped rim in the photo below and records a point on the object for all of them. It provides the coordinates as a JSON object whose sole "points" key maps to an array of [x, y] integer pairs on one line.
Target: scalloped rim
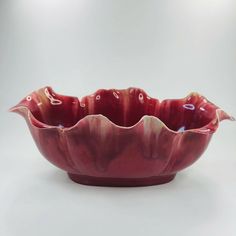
{"points": [[203, 130]]}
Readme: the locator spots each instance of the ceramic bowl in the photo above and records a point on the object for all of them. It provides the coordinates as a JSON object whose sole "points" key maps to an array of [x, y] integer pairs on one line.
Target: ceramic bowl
{"points": [[120, 137]]}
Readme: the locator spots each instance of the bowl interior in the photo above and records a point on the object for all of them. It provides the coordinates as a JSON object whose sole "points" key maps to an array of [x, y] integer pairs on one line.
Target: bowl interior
{"points": [[122, 107]]}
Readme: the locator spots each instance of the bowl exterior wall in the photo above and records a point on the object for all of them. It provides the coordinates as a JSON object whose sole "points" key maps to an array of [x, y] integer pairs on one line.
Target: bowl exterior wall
{"points": [[96, 147]]}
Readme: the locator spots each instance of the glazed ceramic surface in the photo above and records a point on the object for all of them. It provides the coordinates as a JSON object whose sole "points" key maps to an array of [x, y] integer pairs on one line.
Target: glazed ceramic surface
{"points": [[120, 137]]}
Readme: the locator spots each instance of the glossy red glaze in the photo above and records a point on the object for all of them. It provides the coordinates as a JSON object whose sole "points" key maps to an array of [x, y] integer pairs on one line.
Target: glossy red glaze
{"points": [[120, 137]]}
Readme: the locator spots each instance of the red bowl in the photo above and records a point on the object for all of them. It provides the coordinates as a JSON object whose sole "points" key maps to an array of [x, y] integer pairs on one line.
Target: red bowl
{"points": [[120, 137]]}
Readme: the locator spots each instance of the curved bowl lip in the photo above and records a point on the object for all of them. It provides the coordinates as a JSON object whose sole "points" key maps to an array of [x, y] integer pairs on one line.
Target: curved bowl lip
{"points": [[219, 114]]}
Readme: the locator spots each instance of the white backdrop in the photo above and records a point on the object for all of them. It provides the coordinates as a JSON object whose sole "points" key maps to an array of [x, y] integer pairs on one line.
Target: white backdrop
{"points": [[168, 48]]}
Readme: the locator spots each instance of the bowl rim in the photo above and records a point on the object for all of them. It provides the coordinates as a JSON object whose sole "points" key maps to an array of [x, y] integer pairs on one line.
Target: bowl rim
{"points": [[206, 129]]}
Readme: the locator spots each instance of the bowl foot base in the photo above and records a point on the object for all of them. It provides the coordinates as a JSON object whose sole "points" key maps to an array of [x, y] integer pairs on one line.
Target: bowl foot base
{"points": [[120, 182]]}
